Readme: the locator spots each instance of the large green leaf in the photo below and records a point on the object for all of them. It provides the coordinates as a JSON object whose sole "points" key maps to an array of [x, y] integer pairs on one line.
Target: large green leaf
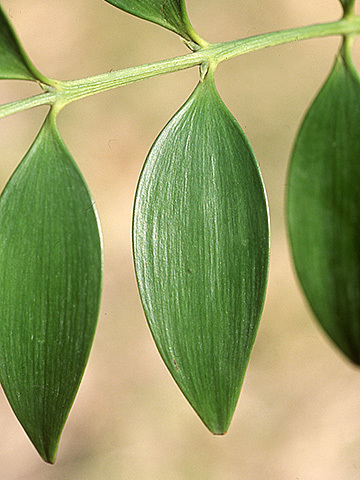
{"points": [[50, 282], [170, 14], [201, 246], [323, 207], [14, 63]]}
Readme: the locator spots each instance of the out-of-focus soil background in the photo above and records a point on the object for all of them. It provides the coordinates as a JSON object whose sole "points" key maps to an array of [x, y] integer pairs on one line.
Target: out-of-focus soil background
{"points": [[298, 417]]}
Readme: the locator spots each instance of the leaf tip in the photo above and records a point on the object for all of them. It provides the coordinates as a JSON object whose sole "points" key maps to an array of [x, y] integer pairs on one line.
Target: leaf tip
{"points": [[45, 446]]}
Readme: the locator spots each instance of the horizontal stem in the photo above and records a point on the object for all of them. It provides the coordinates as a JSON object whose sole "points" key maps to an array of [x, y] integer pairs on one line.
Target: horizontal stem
{"points": [[66, 92], [75, 89], [217, 53], [46, 98], [345, 26]]}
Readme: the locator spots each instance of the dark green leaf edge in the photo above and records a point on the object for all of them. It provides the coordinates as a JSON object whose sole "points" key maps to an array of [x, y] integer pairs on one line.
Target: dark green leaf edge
{"points": [[348, 343], [14, 62], [46, 439], [155, 12]]}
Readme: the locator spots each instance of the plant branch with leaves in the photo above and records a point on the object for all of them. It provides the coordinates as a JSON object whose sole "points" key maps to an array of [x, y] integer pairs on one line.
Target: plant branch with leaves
{"points": [[200, 230]]}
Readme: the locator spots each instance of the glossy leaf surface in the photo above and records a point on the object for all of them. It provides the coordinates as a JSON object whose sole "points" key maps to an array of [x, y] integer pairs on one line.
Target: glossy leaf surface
{"points": [[50, 282], [201, 246], [170, 14], [14, 63], [323, 207]]}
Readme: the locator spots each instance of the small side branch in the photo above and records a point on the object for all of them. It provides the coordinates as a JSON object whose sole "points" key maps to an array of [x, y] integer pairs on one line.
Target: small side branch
{"points": [[46, 98]]}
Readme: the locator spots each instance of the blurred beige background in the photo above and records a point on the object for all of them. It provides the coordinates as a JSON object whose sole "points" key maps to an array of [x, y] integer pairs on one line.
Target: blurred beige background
{"points": [[298, 417]]}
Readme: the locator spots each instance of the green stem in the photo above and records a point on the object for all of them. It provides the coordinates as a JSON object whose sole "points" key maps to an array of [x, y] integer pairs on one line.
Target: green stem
{"points": [[46, 98], [66, 92], [345, 26]]}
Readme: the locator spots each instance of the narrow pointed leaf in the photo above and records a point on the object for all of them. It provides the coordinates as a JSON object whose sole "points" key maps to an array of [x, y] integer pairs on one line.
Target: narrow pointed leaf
{"points": [[201, 246], [170, 14], [50, 264], [14, 63], [323, 207]]}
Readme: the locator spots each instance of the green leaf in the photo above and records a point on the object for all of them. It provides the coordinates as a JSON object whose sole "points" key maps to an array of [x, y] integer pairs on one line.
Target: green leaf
{"points": [[170, 14], [50, 282], [14, 63], [348, 5], [201, 246], [323, 207]]}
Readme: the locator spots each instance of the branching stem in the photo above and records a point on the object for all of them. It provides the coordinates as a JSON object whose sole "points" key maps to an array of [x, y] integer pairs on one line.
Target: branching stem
{"points": [[66, 92]]}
